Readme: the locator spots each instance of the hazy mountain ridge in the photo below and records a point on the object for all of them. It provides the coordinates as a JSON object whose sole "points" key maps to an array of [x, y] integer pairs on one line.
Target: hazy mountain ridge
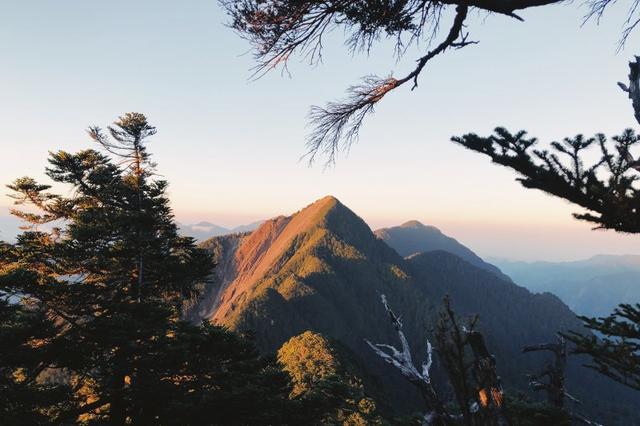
{"points": [[204, 230], [9, 227], [323, 269], [593, 287], [201, 231], [413, 237]]}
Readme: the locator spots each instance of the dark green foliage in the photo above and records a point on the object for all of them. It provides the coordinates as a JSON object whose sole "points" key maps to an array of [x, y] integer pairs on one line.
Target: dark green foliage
{"points": [[328, 278], [208, 375], [607, 189], [24, 399], [325, 382], [92, 327], [617, 353], [523, 412], [276, 27]]}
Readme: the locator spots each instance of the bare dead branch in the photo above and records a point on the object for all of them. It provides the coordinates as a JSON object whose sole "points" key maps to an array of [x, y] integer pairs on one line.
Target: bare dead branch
{"points": [[633, 90], [281, 29], [402, 360], [336, 126], [597, 8]]}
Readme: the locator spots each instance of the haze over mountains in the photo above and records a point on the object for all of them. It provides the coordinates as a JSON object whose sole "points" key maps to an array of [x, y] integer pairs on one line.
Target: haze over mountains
{"points": [[203, 230], [9, 228], [592, 287], [323, 269]]}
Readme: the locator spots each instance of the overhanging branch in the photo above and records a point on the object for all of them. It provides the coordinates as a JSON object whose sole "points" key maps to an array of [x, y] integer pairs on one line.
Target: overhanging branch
{"points": [[336, 126]]}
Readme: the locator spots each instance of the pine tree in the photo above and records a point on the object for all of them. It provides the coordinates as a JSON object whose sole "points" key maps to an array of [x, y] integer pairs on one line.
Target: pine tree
{"points": [[93, 294], [607, 189]]}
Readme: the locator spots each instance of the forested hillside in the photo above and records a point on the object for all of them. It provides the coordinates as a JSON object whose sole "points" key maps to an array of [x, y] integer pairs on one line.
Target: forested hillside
{"points": [[322, 269]]}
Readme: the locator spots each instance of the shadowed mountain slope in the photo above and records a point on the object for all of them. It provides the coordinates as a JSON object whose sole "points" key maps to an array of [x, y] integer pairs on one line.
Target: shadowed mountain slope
{"points": [[413, 237], [322, 269]]}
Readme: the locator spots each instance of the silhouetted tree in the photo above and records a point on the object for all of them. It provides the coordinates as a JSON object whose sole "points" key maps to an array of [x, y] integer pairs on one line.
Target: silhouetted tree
{"points": [[92, 296], [471, 369], [452, 342], [279, 29], [607, 189], [617, 354], [551, 378], [554, 371]]}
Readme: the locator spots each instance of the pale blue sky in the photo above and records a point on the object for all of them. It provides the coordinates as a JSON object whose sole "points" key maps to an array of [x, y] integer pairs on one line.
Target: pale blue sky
{"points": [[230, 147]]}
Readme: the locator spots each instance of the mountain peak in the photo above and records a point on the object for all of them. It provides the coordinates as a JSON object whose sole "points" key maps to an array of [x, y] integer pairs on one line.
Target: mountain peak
{"points": [[322, 269], [315, 213], [412, 224], [414, 237], [273, 243], [416, 224], [327, 199], [329, 213]]}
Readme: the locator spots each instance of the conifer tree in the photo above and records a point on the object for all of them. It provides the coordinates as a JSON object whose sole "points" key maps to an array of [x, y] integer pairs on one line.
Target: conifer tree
{"points": [[93, 293], [608, 190]]}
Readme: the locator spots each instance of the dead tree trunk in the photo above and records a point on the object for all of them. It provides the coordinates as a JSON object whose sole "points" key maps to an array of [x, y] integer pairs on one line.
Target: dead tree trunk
{"points": [[490, 391], [471, 369], [633, 90], [472, 373], [402, 360], [451, 342], [554, 371]]}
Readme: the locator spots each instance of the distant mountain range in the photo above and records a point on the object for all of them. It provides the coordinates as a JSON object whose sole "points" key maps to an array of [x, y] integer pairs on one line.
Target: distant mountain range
{"points": [[9, 227], [592, 287], [323, 269], [204, 230], [413, 237]]}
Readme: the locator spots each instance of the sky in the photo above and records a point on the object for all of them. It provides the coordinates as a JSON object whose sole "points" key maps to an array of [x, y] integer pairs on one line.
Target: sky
{"points": [[230, 146]]}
